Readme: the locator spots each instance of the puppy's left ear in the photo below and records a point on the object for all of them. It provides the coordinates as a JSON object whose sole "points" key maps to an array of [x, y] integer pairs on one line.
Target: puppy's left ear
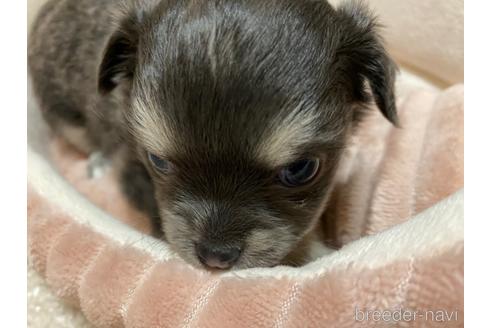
{"points": [[362, 47], [119, 57]]}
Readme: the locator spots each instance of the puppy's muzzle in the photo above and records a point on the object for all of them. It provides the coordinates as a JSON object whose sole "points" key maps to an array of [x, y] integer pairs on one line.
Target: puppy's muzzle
{"points": [[217, 256]]}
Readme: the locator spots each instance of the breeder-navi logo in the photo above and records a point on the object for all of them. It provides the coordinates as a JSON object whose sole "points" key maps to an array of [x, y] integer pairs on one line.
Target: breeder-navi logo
{"points": [[397, 315]]}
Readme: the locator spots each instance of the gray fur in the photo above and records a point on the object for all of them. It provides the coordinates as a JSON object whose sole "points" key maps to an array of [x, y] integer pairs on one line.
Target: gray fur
{"points": [[229, 91]]}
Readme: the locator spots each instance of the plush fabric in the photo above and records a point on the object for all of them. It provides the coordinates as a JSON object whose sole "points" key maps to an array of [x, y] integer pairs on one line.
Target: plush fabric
{"points": [[402, 239], [390, 175], [44, 309]]}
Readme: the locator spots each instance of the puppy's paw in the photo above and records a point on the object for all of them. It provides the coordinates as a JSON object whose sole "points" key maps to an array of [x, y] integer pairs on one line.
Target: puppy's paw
{"points": [[318, 249], [98, 165]]}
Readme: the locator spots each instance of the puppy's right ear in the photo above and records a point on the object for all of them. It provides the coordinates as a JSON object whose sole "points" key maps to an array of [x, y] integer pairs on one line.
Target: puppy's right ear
{"points": [[362, 48], [119, 57]]}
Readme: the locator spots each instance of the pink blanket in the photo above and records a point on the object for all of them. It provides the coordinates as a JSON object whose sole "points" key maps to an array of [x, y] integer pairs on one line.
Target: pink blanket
{"points": [[399, 265]]}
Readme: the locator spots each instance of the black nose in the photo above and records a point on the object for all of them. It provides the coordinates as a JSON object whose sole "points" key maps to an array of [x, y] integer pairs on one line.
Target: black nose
{"points": [[217, 256]]}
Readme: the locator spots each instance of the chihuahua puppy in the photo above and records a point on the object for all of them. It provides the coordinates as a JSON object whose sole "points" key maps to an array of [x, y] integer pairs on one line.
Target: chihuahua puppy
{"points": [[226, 119]]}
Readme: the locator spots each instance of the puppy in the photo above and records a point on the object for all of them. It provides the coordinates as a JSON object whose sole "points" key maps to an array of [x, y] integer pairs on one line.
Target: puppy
{"points": [[226, 119]]}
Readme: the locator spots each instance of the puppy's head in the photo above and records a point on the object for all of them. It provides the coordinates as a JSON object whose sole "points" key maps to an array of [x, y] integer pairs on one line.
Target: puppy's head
{"points": [[240, 110]]}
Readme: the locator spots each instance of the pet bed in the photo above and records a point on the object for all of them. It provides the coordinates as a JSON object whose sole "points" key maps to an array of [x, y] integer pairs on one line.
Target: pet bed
{"points": [[398, 212]]}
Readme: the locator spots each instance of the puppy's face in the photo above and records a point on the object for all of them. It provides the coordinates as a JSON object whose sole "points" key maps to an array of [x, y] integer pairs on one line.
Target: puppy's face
{"points": [[240, 110]]}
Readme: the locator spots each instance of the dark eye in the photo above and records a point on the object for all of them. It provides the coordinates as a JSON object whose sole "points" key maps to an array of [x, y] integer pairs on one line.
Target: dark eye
{"points": [[159, 163], [299, 173]]}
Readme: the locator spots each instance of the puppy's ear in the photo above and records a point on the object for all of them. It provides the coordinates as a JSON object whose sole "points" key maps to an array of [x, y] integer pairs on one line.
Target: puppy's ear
{"points": [[119, 57], [362, 47]]}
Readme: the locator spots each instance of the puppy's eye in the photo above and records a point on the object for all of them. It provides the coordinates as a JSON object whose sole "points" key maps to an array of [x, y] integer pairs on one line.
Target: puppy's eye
{"points": [[159, 163], [300, 172]]}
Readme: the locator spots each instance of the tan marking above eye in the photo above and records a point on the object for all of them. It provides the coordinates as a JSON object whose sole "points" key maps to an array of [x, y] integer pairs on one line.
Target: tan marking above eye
{"points": [[150, 127]]}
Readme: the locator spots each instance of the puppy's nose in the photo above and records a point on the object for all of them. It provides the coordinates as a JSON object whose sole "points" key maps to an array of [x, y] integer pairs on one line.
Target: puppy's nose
{"points": [[216, 256]]}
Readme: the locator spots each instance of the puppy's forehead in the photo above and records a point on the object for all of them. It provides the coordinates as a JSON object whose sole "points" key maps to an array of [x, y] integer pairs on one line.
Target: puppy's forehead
{"points": [[251, 79], [271, 136]]}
